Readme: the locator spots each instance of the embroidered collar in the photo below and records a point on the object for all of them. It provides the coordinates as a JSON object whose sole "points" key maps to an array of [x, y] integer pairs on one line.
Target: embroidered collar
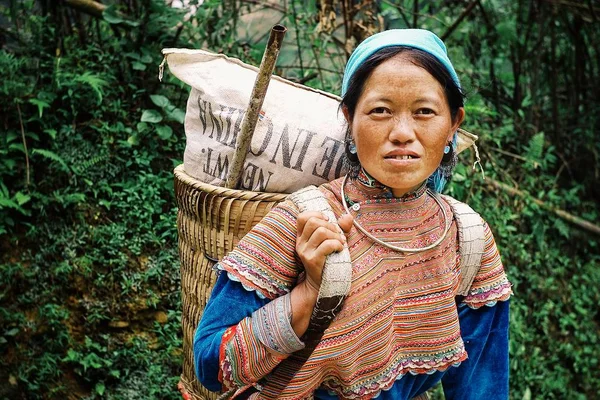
{"points": [[365, 188]]}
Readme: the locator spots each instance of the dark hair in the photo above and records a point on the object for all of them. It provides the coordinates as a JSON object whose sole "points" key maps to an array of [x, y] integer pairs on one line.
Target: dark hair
{"points": [[454, 94]]}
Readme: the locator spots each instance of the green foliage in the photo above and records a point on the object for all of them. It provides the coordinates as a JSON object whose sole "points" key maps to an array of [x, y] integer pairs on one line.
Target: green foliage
{"points": [[88, 249], [88, 242]]}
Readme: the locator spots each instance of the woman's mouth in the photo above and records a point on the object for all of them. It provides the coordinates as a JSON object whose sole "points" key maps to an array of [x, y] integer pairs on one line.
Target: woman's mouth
{"points": [[402, 157]]}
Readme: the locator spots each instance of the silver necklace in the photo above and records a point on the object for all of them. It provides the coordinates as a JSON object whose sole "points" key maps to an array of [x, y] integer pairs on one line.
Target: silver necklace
{"points": [[436, 198]]}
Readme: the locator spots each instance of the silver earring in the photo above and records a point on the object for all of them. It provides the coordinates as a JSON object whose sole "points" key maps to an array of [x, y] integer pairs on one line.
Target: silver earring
{"points": [[448, 153], [352, 147], [449, 160]]}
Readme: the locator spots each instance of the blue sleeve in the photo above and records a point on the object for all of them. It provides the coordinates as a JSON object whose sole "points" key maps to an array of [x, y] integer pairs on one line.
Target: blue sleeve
{"points": [[229, 303], [484, 375]]}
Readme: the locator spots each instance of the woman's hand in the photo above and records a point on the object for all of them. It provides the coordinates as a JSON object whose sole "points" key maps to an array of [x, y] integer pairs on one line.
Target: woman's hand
{"points": [[316, 239]]}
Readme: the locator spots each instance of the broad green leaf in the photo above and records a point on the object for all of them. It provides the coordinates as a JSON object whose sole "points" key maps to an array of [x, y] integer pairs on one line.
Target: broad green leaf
{"points": [[12, 332], [100, 388], [164, 131], [151, 116], [138, 66], [110, 15], [141, 127], [10, 136], [9, 163], [22, 198], [160, 101], [131, 23], [177, 115], [133, 140], [130, 54]]}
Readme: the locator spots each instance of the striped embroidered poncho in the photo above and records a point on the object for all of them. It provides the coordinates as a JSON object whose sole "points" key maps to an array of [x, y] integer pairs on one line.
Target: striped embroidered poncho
{"points": [[400, 316]]}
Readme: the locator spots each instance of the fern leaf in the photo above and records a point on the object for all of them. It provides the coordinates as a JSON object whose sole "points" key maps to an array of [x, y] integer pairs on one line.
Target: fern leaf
{"points": [[536, 147], [96, 83], [52, 156], [90, 162]]}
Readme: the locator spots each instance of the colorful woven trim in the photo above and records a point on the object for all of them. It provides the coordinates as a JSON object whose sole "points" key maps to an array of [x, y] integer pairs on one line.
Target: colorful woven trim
{"points": [[264, 262], [490, 284], [225, 366], [246, 360], [272, 326]]}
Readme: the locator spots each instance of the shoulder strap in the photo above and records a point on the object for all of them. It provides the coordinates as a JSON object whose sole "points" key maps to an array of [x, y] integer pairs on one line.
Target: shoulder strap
{"points": [[337, 272], [471, 242], [335, 285]]}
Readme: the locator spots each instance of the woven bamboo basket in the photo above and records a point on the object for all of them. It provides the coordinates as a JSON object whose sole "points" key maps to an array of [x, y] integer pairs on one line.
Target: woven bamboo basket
{"points": [[210, 222]]}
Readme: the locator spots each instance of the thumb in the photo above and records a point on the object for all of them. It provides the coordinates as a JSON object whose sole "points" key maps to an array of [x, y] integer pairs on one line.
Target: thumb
{"points": [[345, 222]]}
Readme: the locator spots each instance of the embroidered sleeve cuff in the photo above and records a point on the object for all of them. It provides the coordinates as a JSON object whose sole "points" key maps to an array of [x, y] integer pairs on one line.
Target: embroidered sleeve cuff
{"points": [[272, 326], [489, 296]]}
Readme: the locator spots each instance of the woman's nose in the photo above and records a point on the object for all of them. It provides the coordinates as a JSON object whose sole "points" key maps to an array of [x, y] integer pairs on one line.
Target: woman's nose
{"points": [[403, 130]]}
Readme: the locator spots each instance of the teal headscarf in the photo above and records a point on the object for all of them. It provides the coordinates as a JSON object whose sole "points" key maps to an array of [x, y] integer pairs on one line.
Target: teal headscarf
{"points": [[416, 38]]}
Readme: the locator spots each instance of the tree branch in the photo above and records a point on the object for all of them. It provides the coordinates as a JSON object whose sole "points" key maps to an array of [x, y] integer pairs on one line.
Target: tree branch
{"points": [[415, 12], [462, 16], [90, 7], [27, 181], [580, 222]]}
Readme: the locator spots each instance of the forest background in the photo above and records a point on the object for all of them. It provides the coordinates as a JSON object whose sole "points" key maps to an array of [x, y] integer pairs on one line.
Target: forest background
{"points": [[89, 272]]}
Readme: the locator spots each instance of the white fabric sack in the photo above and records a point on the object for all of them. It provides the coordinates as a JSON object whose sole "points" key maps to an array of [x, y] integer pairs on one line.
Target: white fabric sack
{"points": [[298, 140]]}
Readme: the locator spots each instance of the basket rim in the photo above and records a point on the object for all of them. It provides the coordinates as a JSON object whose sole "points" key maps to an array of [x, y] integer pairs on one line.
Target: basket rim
{"points": [[184, 177]]}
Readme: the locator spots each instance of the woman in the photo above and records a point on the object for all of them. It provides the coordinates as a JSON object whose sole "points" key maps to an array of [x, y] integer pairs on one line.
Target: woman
{"points": [[402, 328]]}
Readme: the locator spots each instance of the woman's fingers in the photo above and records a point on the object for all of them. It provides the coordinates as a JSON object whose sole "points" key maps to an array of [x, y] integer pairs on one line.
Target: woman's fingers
{"points": [[329, 246], [317, 238], [322, 242], [314, 259], [325, 232], [314, 227], [306, 216]]}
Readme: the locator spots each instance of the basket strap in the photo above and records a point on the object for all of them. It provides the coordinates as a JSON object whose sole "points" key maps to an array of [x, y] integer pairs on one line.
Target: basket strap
{"points": [[335, 285], [337, 271], [471, 242]]}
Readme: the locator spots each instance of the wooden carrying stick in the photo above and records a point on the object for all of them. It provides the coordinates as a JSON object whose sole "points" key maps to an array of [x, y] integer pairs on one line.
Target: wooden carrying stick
{"points": [[256, 100]]}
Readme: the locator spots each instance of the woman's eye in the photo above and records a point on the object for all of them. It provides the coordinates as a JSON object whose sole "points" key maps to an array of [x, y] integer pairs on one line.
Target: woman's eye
{"points": [[425, 111], [379, 110]]}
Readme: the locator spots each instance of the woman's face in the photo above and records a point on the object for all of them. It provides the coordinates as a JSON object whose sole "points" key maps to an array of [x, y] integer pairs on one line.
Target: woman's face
{"points": [[401, 124]]}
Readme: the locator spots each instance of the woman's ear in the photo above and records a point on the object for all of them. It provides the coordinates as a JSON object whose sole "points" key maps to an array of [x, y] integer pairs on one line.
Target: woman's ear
{"points": [[458, 120], [346, 114]]}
